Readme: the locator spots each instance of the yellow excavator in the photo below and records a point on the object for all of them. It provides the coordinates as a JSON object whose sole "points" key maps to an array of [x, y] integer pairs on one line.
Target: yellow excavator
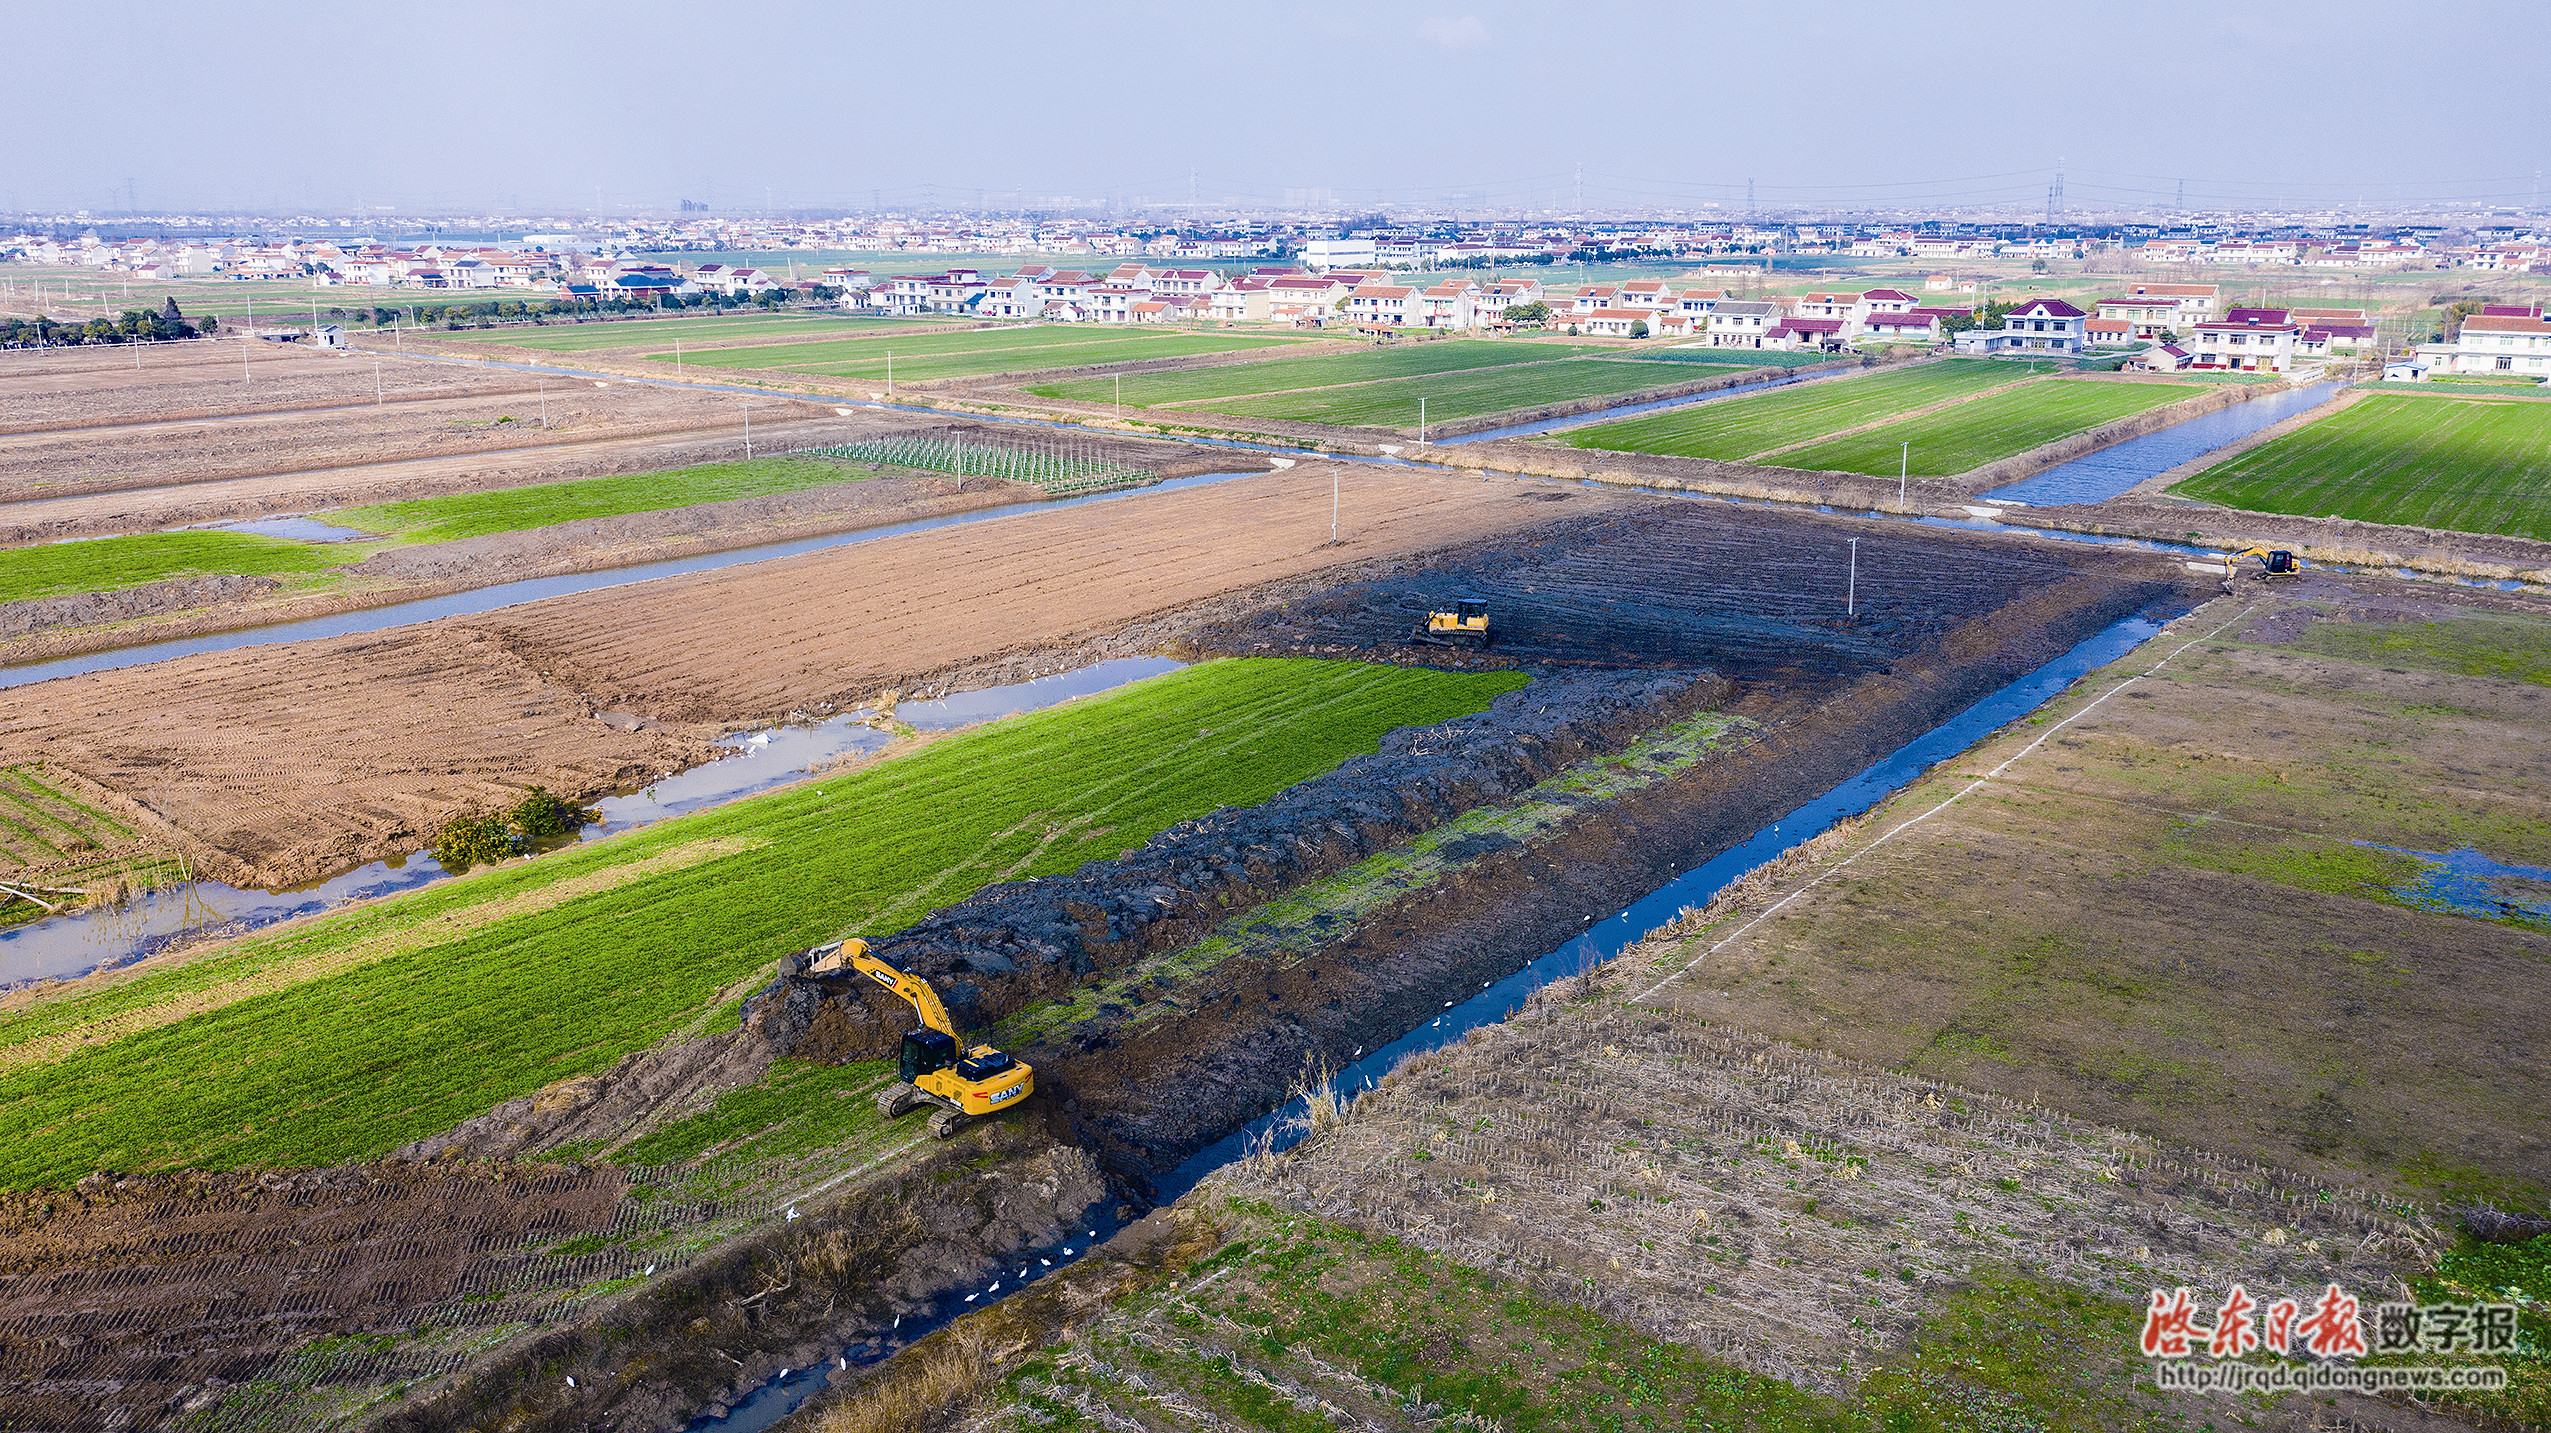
{"points": [[2273, 562], [965, 1084], [1464, 624]]}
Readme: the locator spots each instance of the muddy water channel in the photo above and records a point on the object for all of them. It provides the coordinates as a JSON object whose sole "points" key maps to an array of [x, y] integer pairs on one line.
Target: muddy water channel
{"points": [[1499, 998], [61, 947]]}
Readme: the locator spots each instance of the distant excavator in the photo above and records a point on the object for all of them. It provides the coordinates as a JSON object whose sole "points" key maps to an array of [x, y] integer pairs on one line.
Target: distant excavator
{"points": [[2273, 562], [1464, 624], [965, 1084]]}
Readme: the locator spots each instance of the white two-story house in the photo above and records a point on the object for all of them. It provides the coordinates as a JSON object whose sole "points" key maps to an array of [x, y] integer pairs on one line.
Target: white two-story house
{"points": [[2038, 326]]}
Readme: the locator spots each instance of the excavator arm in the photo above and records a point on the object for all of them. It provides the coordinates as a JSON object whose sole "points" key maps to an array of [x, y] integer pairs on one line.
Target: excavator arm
{"points": [[924, 1000]]}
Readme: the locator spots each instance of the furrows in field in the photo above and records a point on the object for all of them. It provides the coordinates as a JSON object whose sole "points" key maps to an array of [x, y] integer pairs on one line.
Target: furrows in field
{"points": [[1789, 1210]]}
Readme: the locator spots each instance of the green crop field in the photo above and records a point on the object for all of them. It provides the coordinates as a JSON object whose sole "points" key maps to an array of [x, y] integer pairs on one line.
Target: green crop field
{"points": [[2462, 463], [1957, 439], [570, 337], [1737, 428], [107, 563], [1206, 386], [1467, 395], [346, 1035], [459, 515]]}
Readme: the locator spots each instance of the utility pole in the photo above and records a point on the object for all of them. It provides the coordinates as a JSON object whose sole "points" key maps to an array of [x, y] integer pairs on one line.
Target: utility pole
{"points": [[748, 427], [544, 405], [1120, 395], [1903, 472], [377, 397], [1421, 420], [1851, 594], [890, 376], [677, 357], [1333, 505]]}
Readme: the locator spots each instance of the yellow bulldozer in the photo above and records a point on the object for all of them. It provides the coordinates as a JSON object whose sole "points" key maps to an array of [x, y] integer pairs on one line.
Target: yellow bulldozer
{"points": [[936, 1068], [1464, 624]]}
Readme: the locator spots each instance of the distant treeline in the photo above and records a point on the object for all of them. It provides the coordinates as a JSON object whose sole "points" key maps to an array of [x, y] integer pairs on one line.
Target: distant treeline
{"points": [[135, 324], [166, 322]]}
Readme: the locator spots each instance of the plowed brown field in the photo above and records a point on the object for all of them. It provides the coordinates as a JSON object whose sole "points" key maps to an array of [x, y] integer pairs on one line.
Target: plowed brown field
{"points": [[100, 387], [291, 761]]}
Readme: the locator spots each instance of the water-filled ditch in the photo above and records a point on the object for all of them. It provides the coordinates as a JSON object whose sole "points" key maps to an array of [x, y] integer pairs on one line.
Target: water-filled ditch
{"points": [[59, 947], [1500, 999]]}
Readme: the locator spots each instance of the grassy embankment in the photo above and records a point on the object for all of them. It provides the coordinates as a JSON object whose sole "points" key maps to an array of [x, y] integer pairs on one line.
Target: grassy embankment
{"points": [[2455, 461], [1735, 429], [349, 1034], [1207, 386]]}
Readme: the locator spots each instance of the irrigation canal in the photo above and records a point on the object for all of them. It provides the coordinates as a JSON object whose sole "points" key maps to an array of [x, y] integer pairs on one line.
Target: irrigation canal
{"points": [[61, 947], [1498, 1001]]}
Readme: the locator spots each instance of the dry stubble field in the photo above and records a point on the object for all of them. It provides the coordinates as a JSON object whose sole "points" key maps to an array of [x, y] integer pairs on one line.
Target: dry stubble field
{"points": [[2194, 909]]}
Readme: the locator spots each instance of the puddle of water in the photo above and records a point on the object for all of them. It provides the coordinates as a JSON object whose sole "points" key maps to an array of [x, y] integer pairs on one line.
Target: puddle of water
{"points": [[1608, 937], [304, 529], [488, 599], [2109, 472], [2467, 883], [59, 947]]}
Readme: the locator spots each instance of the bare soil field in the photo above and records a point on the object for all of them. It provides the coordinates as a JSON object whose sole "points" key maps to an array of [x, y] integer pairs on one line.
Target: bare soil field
{"points": [[40, 465], [2198, 908], [64, 389], [294, 761]]}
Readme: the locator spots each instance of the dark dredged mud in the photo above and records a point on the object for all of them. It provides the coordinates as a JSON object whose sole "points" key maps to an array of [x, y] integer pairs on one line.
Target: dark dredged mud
{"points": [[1019, 942]]}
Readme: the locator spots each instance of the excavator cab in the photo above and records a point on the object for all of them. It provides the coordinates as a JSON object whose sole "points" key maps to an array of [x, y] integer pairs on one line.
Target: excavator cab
{"points": [[2281, 563], [1464, 624], [926, 1052]]}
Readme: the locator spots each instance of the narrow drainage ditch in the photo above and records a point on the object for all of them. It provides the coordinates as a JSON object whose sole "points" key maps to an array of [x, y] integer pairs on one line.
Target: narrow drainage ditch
{"points": [[488, 599], [1601, 940], [66, 946]]}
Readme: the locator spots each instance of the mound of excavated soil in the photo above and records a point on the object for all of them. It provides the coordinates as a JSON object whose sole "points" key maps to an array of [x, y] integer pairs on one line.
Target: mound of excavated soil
{"points": [[1019, 942]]}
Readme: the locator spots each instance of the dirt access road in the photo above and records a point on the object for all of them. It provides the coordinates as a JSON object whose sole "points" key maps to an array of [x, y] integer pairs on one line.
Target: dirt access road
{"points": [[2192, 910], [292, 761]]}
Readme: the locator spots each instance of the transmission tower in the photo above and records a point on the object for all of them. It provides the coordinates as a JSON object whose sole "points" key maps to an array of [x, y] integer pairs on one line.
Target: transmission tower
{"points": [[1749, 200]]}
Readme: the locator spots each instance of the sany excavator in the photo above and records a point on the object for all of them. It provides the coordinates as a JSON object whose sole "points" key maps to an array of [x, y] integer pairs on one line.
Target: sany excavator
{"points": [[966, 1084], [2273, 562]]}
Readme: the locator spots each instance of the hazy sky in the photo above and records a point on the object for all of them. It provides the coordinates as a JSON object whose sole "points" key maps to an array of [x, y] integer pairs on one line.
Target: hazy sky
{"points": [[520, 105]]}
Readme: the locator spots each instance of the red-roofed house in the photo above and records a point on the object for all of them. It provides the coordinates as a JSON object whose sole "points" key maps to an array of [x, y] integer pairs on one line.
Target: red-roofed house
{"points": [[2108, 332], [1889, 301], [1916, 326], [2249, 340], [2038, 326], [1488, 306], [1615, 322], [1386, 306], [2150, 316], [2494, 343], [1650, 294], [1450, 303]]}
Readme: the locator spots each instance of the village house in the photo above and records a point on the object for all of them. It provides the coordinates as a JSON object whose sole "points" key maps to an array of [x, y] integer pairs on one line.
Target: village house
{"points": [[1599, 296], [1878, 301], [2197, 302], [2108, 332], [1829, 334], [1186, 281], [2250, 340], [2147, 317], [1916, 326], [2513, 341], [1649, 294], [1489, 305], [2160, 358], [1742, 323], [1850, 308], [1698, 303], [2038, 326], [1614, 322], [1377, 305], [1450, 304]]}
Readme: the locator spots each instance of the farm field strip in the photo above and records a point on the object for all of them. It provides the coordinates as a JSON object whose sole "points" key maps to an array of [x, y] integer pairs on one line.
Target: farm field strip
{"points": [[1394, 403], [919, 347], [1739, 428], [356, 1062], [1115, 348], [107, 564], [585, 337], [2463, 463], [1154, 390], [460, 515], [1967, 435]]}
